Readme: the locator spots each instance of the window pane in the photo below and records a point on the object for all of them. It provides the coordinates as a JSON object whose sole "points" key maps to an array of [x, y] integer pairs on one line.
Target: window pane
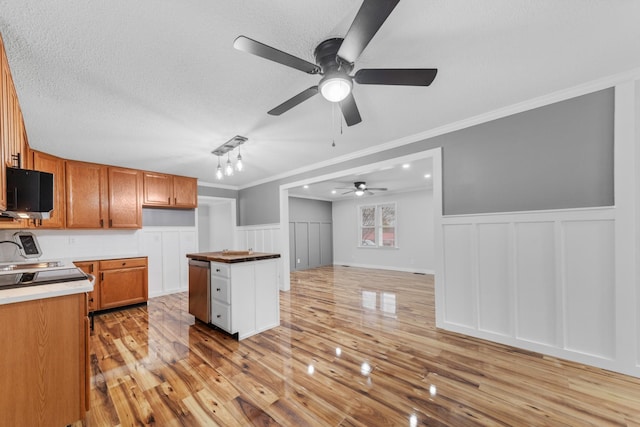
{"points": [[389, 236], [368, 236], [388, 213], [368, 216]]}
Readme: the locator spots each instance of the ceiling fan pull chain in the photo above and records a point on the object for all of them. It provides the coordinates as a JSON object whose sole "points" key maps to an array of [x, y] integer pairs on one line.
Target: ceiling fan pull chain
{"points": [[333, 123]]}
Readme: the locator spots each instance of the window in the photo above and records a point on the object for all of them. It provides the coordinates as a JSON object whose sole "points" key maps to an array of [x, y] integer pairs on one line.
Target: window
{"points": [[377, 226]]}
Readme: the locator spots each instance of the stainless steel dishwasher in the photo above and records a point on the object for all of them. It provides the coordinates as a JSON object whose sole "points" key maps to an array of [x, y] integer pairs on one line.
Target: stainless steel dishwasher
{"points": [[200, 290]]}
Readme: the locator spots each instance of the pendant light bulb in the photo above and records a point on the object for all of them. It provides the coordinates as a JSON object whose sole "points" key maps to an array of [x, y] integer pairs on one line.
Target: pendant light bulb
{"points": [[239, 164], [229, 167], [219, 174]]}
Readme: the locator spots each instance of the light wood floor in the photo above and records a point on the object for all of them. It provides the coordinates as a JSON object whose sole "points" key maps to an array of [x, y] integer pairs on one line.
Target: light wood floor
{"points": [[355, 348]]}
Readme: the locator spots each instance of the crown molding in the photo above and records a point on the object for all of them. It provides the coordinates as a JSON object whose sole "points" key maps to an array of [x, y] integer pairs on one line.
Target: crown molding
{"points": [[541, 101]]}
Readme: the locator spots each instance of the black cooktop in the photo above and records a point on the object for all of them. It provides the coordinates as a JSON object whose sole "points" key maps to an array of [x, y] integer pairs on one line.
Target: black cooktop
{"points": [[41, 277]]}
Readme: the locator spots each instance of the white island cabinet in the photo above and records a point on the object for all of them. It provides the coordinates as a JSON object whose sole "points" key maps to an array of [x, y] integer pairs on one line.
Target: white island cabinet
{"points": [[244, 296]]}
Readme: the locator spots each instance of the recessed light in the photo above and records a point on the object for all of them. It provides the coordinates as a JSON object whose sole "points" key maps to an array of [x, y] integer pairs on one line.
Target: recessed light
{"points": [[305, 186], [406, 166], [333, 191], [427, 175]]}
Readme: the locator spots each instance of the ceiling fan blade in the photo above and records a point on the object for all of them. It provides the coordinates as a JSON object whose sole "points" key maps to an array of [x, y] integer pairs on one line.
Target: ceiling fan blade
{"points": [[396, 76], [347, 192], [248, 45], [292, 102], [366, 24], [350, 110], [377, 189]]}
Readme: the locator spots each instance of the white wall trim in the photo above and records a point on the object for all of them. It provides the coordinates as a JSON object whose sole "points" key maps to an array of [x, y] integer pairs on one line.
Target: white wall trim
{"points": [[383, 267]]}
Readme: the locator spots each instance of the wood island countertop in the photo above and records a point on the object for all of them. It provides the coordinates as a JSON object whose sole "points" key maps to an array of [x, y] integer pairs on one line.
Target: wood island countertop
{"points": [[231, 257]]}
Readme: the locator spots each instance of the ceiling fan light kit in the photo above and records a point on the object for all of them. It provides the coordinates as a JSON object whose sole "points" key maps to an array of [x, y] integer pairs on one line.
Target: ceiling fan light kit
{"points": [[335, 87], [335, 59], [360, 189]]}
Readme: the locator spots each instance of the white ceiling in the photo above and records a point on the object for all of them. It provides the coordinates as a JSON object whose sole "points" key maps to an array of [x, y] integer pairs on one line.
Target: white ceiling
{"points": [[157, 84]]}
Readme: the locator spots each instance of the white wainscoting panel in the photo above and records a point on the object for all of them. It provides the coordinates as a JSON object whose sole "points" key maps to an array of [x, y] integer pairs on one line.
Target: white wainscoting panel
{"points": [[459, 271], [536, 287], [167, 248], [589, 287], [494, 275], [543, 281], [262, 238]]}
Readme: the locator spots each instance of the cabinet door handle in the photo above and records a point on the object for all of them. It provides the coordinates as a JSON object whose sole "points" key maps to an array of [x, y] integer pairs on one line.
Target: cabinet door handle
{"points": [[101, 223], [217, 289], [90, 299], [90, 268], [219, 316], [217, 270], [102, 275], [168, 200], [110, 223], [175, 200]]}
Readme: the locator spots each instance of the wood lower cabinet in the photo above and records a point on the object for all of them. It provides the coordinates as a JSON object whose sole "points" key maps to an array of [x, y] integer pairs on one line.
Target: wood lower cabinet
{"points": [[122, 282], [170, 191], [119, 282], [44, 361], [93, 298]]}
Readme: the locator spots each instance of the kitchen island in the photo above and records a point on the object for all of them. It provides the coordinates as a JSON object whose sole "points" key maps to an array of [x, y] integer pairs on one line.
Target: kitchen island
{"points": [[44, 362], [235, 291]]}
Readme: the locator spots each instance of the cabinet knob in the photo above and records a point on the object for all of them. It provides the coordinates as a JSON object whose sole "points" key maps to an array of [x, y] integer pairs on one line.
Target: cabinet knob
{"points": [[217, 270], [219, 316], [217, 289], [124, 263]]}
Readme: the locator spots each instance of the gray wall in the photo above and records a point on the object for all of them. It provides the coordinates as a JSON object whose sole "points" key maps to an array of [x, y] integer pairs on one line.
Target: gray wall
{"points": [[556, 156], [168, 217], [310, 233], [217, 192], [301, 209]]}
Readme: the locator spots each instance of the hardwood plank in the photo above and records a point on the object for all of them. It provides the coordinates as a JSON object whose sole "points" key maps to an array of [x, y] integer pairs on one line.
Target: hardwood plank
{"points": [[355, 347]]}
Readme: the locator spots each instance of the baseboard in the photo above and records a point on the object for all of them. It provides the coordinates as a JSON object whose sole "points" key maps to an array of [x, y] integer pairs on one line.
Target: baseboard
{"points": [[385, 267]]}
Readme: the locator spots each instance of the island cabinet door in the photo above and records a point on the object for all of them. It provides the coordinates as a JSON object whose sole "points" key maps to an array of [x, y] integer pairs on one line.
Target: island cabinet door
{"points": [[267, 295]]}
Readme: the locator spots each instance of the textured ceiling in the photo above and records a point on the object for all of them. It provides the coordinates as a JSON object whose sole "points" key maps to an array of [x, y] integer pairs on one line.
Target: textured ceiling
{"points": [[158, 85]]}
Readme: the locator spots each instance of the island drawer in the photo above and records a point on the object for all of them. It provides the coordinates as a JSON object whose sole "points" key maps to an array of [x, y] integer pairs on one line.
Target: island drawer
{"points": [[221, 315], [219, 269], [221, 289]]}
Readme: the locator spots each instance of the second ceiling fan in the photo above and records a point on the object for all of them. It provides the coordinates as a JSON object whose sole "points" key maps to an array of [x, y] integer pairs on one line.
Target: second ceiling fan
{"points": [[335, 59]]}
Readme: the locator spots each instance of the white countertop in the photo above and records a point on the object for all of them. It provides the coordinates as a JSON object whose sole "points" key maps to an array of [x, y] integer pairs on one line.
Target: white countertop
{"points": [[28, 293]]}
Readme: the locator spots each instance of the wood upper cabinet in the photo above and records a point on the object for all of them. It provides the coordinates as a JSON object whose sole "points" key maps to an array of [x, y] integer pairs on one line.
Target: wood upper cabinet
{"points": [[86, 188], [102, 197], [162, 190], [185, 192], [125, 194], [47, 163], [12, 133]]}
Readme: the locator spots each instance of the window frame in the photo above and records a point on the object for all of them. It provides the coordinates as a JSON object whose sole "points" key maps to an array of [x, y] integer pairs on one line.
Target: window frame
{"points": [[378, 226]]}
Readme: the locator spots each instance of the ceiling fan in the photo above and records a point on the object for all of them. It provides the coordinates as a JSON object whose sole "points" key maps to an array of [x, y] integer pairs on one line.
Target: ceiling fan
{"points": [[335, 59], [360, 189]]}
